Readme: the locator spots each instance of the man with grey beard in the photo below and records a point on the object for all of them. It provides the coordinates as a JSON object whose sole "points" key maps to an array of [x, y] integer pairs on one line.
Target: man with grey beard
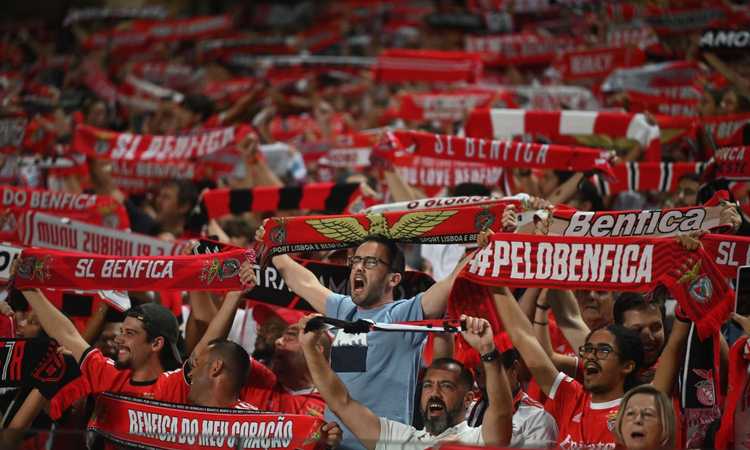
{"points": [[447, 392]]}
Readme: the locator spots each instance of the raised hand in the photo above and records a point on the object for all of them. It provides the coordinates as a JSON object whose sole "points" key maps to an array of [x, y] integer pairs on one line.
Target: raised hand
{"points": [[478, 334]]}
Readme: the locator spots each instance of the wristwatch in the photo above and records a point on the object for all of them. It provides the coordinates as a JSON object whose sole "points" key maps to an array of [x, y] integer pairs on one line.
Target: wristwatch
{"points": [[491, 356]]}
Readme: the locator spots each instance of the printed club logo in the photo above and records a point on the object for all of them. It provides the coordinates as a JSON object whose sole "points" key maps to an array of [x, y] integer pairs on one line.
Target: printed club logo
{"points": [[704, 389], [701, 289], [215, 269], [33, 268]]}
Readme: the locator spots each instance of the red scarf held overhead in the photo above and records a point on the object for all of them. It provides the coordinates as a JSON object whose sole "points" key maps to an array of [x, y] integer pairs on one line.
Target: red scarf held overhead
{"points": [[503, 153], [315, 196], [517, 49], [732, 163], [589, 128], [144, 32], [455, 225], [597, 63], [728, 252], [107, 144], [402, 65], [146, 423], [646, 176], [433, 174], [43, 268], [564, 221], [141, 176], [96, 209], [657, 104], [52, 232], [618, 264], [737, 393], [449, 105]]}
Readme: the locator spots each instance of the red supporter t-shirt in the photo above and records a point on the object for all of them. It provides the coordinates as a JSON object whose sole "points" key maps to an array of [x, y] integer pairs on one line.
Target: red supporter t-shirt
{"points": [[582, 423], [278, 399], [99, 374]]}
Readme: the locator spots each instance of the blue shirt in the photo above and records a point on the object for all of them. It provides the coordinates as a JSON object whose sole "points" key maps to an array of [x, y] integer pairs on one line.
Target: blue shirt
{"points": [[378, 368]]}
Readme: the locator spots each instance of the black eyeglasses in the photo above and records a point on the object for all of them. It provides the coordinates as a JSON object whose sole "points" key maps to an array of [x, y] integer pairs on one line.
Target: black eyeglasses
{"points": [[600, 351], [369, 262]]}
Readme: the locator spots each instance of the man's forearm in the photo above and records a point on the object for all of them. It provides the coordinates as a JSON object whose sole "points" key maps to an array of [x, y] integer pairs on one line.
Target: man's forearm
{"points": [[498, 420], [330, 386], [222, 322], [55, 323]]}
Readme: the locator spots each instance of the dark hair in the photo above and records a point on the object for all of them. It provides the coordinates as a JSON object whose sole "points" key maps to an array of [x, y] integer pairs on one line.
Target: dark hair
{"points": [[629, 301], [509, 357], [166, 356], [690, 176], [236, 361], [629, 348], [395, 254], [469, 189], [186, 192], [706, 191], [464, 375], [199, 104], [236, 227], [587, 192]]}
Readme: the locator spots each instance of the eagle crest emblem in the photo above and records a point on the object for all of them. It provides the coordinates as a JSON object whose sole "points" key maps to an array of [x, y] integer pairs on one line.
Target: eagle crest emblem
{"points": [[410, 225], [33, 268], [214, 269], [691, 274]]}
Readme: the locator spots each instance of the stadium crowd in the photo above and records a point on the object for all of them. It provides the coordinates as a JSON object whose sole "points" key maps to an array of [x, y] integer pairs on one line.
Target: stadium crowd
{"points": [[376, 224]]}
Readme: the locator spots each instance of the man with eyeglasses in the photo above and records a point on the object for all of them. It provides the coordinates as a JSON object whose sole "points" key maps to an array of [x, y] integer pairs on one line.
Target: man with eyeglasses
{"points": [[585, 413], [379, 369]]}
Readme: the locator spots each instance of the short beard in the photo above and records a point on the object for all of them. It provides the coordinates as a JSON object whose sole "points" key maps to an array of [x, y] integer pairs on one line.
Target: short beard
{"points": [[439, 424], [122, 365]]}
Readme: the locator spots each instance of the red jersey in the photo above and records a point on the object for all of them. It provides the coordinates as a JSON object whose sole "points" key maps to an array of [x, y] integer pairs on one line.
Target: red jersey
{"points": [[278, 399], [583, 424], [98, 374]]}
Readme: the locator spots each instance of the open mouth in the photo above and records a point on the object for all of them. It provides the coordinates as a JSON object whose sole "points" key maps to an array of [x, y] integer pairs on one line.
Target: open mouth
{"points": [[435, 407], [359, 284], [637, 435], [591, 368]]}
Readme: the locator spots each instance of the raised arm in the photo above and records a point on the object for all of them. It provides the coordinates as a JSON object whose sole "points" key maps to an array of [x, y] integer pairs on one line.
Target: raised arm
{"points": [[56, 324], [522, 335], [564, 363], [497, 426], [435, 299], [568, 316], [299, 279], [671, 356], [357, 417]]}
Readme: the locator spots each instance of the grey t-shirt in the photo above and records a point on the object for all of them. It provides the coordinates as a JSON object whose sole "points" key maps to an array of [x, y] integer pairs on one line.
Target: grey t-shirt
{"points": [[379, 368]]}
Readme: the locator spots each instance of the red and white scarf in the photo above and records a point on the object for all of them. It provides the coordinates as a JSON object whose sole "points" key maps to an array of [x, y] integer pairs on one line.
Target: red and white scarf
{"points": [[96, 209], [456, 225], [565, 127], [43, 268], [402, 65], [115, 145], [674, 79], [518, 49], [142, 423], [52, 232], [447, 105], [503, 153], [597, 63], [620, 264], [143, 32]]}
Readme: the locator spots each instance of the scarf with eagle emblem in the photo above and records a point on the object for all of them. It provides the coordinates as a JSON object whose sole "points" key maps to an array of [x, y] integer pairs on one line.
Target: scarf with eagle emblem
{"points": [[457, 225]]}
